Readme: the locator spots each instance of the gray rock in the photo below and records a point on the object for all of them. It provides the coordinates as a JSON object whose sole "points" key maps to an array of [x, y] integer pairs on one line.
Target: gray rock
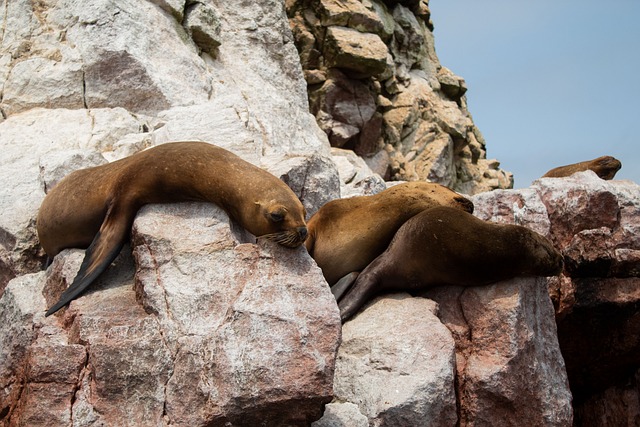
{"points": [[202, 22], [341, 415], [397, 363], [364, 53]]}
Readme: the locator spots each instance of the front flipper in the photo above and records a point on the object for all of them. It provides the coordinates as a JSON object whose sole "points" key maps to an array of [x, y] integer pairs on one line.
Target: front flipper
{"points": [[104, 248]]}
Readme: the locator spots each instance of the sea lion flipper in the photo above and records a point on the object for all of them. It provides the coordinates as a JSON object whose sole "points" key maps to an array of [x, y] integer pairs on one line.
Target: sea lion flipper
{"points": [[104, 248], [342, 285], [364, 288]]}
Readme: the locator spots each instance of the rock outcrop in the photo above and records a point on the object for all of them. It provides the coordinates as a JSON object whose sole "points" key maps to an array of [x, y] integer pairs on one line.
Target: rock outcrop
{"points": [[596, 224], [197, 323], [207, 330], [559, 351], [377, 87], [91, 82]]}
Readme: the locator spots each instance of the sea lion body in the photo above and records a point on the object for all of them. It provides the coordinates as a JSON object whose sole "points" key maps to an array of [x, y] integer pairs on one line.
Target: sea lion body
{"points": [[94, 208], [345, 235], [605, 167], [445, 246]]}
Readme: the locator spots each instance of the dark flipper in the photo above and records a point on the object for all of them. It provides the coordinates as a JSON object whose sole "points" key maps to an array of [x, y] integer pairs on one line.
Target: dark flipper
{"points": [[103, 250], [357, 295], [342, 285]]}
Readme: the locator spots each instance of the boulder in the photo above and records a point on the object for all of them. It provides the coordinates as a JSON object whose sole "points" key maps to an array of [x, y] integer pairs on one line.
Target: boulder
{"points": [[209, 328], [363, 53], [595, 225], [396, 362]]}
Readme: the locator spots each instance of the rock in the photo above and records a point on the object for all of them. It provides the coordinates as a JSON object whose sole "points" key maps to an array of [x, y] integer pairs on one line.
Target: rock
{"points": [[509, 365], [356, 179], [132, 346], [595, 225], [203, 25], [345, 101], [349, 13], [396, 362], [399, 105], [314, 179], [85, 84], [452, 86], [56, 85], [350, 49], [216, 329], [341, 415]]}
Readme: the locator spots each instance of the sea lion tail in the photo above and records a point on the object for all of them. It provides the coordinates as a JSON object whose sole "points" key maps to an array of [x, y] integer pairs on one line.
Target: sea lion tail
{"points": [[104, 248]]}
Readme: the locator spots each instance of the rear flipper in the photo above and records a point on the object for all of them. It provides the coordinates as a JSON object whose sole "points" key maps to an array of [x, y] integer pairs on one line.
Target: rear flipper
{"points": [[365, 287], [342, 285], [103, 250]]}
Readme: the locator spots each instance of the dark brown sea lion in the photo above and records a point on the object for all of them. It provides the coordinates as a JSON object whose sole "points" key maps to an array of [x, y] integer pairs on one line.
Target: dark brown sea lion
{"points": [[345, 235], [605, 167], [446, 246], [94, 208]]}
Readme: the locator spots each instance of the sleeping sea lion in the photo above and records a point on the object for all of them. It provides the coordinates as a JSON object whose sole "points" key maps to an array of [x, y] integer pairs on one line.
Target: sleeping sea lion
{"points": [[345, 235], [446, 246], [94, 208]]}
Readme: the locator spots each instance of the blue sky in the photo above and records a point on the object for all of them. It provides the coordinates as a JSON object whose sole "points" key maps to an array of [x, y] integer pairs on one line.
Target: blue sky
{"points": [[549, 82]]}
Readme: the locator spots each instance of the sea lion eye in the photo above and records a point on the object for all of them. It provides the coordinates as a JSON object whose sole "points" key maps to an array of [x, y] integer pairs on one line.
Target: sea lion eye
{"points": [[276, 216]]}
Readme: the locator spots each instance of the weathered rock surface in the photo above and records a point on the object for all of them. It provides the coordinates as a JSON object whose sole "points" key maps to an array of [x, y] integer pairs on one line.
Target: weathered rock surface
{"points": [[496, 362], [396, 362], [509, 366], [209, 329], [377, 87], [86, 83], [597, 299], [204, 326]]}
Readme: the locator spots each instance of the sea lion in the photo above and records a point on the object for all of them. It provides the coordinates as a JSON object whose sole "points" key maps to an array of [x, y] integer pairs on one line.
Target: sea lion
{"points": [[94, 208], [446, 246], [345, 235], [605, 167]]}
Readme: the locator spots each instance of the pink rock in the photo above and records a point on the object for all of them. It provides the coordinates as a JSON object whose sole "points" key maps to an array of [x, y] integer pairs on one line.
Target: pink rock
{"points": [[509, 366], [205, 330]]}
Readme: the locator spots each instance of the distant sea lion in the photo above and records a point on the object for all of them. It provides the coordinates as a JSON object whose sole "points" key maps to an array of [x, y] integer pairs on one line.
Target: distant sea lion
{"points": [[605, 167], [345, 235], [446, 246], [94, 208]]}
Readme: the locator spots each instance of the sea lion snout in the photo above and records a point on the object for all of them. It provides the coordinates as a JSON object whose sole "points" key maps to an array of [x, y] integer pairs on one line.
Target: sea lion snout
{"points": [[303, 233]]}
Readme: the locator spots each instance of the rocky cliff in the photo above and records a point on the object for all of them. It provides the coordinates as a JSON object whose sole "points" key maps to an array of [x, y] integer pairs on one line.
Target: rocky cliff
{"points": [[196, 323], [377, 87]]}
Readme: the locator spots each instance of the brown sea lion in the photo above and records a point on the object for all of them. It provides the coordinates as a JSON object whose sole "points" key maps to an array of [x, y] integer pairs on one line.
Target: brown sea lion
{"points": [[345, 235], [446, 246], [605, 167], [94, 208]]}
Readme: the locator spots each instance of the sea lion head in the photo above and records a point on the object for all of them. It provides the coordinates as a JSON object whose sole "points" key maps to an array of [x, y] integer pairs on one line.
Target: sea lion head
{"points": [[606, 167], [544, 260], [436, 194], [281, 222]]}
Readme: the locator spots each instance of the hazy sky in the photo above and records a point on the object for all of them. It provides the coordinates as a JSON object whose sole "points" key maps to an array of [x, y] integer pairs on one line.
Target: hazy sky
{"points": [[551, 82]]}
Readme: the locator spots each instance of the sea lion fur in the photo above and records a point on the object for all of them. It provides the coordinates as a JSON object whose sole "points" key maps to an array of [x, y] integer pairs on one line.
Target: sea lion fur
{"points": [[94, 208]]}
